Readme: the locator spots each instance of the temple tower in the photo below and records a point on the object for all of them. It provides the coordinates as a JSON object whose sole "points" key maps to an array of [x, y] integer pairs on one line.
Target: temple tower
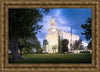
{"points": [[52, 23]]}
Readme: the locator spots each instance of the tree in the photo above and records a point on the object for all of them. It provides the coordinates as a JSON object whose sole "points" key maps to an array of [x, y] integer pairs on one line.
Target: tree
{"points": [[76, 45], [64, 45], [81, 47], [21, 45], [90, 45], [29, 44], [87, 29], [38, 48], [23, 23], [59, 48], [42, 48], [45, 43], [28, 47]]}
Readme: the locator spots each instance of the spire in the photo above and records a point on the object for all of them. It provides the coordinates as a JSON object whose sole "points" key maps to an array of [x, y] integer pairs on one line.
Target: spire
{"points": [[71, 30], [52, 23], [52, 17]]}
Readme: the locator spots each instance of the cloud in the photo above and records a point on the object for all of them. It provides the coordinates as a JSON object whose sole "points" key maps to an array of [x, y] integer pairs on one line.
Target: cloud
{"points": [[64, 19], [59, 17], [46, 23], [84, 43]]}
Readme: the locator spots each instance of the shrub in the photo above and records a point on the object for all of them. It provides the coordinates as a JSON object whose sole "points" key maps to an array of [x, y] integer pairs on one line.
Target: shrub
{"points": [[84, 51]]}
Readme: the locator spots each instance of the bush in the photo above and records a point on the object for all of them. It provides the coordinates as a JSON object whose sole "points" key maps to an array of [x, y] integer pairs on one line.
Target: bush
{"points": [[84, 51]]}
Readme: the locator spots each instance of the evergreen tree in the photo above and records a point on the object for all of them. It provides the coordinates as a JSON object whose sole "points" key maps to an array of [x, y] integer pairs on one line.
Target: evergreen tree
{"points": [[90, 45], [59, 48], [87, 29], [64, 45], [45, 43]]}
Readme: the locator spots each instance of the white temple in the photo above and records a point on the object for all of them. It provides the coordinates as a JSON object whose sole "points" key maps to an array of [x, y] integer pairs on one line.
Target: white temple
{"points": [[53, 36]]}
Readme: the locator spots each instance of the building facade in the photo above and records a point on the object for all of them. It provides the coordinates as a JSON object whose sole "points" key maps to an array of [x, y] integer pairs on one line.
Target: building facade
{"points": [[53, 35]]}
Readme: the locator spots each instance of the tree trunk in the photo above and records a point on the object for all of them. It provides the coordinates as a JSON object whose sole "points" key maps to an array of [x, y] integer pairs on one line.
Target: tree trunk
{"points": [[20, 51], [14, 49]]}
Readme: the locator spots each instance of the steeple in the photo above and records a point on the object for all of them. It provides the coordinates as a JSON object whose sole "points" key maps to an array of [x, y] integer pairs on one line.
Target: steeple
{"points": [[52, 23], [52, 16]]}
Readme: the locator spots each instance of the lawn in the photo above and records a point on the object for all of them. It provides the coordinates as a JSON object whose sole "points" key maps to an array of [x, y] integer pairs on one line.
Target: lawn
{"points": [[55, 58]]}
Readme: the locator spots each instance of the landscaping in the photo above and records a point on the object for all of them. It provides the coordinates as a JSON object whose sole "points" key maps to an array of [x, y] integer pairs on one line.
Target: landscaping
{"points": [[54, 58]]}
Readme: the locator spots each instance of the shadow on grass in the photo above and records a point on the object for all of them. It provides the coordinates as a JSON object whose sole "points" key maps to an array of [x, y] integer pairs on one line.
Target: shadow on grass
{"points": [[54, 58]]}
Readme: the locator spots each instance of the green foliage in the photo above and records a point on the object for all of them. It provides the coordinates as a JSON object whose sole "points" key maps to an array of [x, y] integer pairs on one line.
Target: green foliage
{"points": [[64, 45], [38, 47], [29, 43], [27, 47], [84, 51], [27, 50], [24, 22], [90, 45], [45, 42], [53, 48], [59, 47], [76, 44], [43, 48], [87, 29], [39, 50], [81, 47]]}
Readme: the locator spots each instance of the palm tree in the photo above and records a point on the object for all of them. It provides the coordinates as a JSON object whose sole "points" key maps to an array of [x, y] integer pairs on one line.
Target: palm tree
{"points": [[53, 48]]}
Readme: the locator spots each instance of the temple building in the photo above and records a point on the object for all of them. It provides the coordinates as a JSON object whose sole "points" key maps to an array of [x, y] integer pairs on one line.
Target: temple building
{"points": [[53, 35]]}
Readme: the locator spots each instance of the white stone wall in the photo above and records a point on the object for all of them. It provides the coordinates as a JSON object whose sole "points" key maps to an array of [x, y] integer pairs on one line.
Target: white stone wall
{"points": [[52, 38], [66, 35], [52, 41]]}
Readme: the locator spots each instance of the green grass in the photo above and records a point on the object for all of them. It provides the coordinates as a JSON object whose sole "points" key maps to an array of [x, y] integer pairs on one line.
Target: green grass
{"points": [[55, 58]]}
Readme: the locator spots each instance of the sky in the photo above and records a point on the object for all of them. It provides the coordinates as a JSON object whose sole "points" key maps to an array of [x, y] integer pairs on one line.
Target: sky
{"points": [[64, 19]]}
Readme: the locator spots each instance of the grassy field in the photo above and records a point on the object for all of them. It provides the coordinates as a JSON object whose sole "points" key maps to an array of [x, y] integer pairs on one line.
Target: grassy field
{"points": [[55, 58]]}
